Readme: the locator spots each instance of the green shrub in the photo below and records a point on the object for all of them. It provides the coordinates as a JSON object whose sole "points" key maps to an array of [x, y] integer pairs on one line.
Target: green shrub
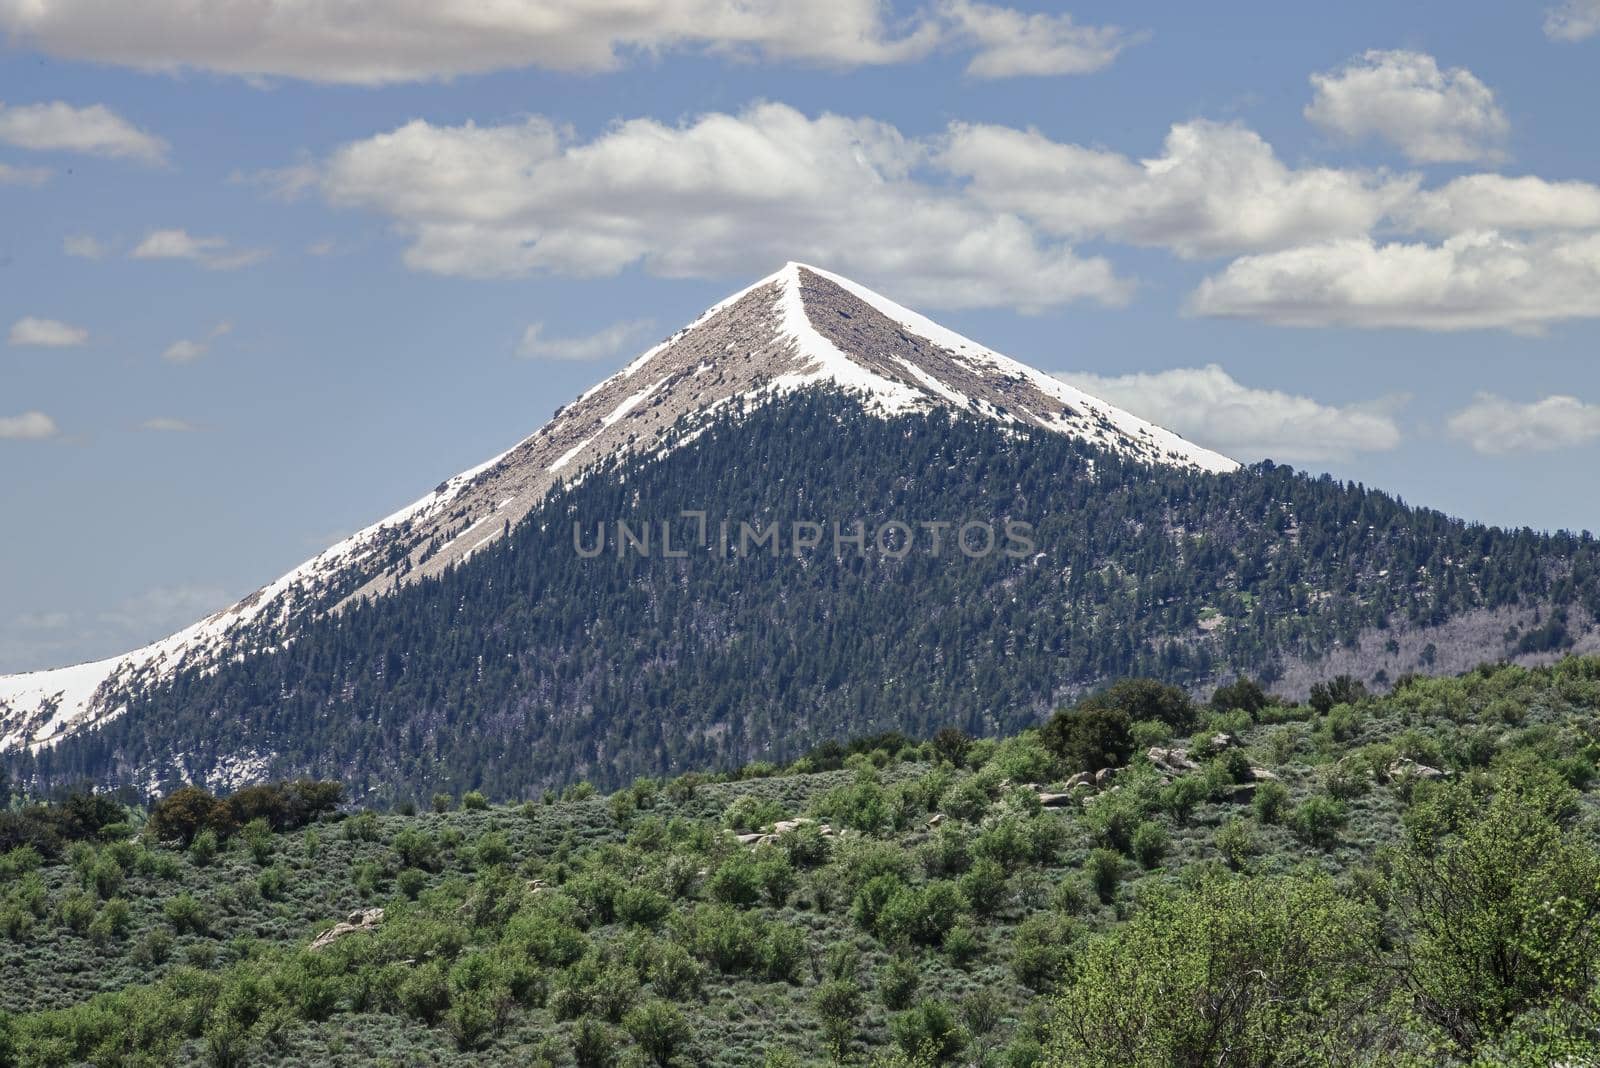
{"points": [[491, 849], [411, 881], [1318, 820], [417, 849], [1089, 738], [929, 1033], [898, 981], [1271, 801], [1291, 958], [640, 906], [272, 882], [75, 911], [947, 853], [1236, 841], [474, 801], [920, 915], [777, 878], [781, 952], [112, 921], [838, 1004], [736, 881], [594, 1045], [186, 914], [258, 838], [1041, 950], [660, 1029], [362, 827], [1104, 868], [674, 974], [985, 887], [1150, 844], [425, 992], [961, 945]]}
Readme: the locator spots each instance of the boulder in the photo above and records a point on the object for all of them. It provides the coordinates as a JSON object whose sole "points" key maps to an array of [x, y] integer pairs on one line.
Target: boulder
{"points": [[1083, 778], [1405, 767], [359, 920], [1171, 761], [1104, 775], [1056, 800]]}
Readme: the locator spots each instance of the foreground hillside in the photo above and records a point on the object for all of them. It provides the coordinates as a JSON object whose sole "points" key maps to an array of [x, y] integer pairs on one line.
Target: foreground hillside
{"points": [[1409, 879], [529, 666]]}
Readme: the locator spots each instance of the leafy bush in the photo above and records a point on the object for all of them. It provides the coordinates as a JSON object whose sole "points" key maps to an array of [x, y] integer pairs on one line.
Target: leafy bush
{"points": [[838, 1004], [187, 914], [1286, 962], [929, 1033], [1236, 841], [1104, 868], [1318, 820], [660, 1029], [1271, 801], [1150, 844]]}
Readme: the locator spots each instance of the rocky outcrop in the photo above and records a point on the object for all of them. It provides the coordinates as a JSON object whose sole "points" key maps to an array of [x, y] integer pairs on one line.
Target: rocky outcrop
{"points": [[359, 920]]}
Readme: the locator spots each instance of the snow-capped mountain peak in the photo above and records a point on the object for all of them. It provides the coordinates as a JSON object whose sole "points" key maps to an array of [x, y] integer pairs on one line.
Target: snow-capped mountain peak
{"points": [[801, 327]]}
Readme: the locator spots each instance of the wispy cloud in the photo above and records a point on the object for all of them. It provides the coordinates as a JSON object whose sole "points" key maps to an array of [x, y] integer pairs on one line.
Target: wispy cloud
{"points": [[213, 253], [10, 175], [168, 425], [597, 346], [1575, 20], [189, 350], [85, 247], [1209, 406]]}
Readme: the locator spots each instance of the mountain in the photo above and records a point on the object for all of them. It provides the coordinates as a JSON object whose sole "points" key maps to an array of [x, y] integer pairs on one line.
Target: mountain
{"points": [[468, 641], [797, 329]]}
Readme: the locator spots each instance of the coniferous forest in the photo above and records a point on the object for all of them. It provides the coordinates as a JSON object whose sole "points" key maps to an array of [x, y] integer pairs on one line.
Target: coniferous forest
{"points": [[531, 666]]}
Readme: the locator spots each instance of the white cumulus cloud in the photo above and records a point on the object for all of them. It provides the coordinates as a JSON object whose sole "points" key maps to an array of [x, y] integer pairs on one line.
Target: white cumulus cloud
{"points": [[1574, 20], [719, 196], [597, 346], [1431, 115], [1209, 406], [29, 426], [93, 130], [1216, 189], [46, 333], [1493, 425], [214, 253], [1474, 280], [423, 40], [1497, 202]]}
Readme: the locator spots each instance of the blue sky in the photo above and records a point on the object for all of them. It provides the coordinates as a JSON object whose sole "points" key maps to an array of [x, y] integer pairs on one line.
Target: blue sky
{"points": [[260, 286]]}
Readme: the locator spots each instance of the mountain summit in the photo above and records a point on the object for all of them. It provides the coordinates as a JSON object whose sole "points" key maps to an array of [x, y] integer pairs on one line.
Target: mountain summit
{"points": [[799, 328]]}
